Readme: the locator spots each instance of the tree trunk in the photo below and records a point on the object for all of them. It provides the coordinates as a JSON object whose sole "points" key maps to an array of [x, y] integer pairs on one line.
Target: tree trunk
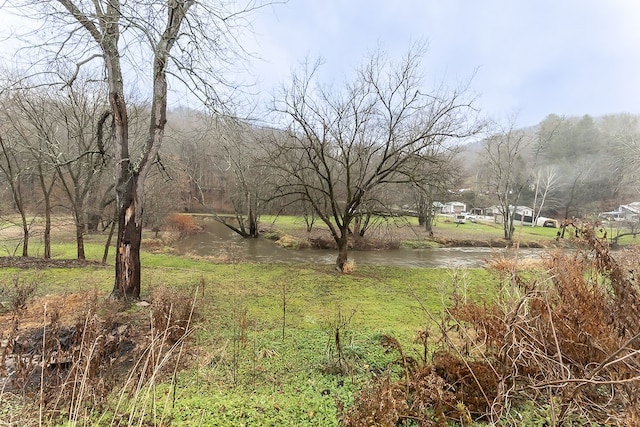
{"points": [[343, 245], [506, 224], [46, 194], [93, 221], [25, 235], [253, 226], [422, 219], [80, 239], [127, 281], [47, 233], [252, 218], [428, 222], [107, 244]]}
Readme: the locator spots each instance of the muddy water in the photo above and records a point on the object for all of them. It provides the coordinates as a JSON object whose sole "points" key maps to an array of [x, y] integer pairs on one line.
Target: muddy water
{"points": [[218, 241]]}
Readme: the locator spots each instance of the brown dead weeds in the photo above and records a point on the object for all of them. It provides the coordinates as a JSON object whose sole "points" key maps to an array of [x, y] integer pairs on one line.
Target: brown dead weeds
{"points": [[63, 354]]}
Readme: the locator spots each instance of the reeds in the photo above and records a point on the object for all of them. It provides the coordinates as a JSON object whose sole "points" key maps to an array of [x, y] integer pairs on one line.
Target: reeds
{"points": [[106, 367]]}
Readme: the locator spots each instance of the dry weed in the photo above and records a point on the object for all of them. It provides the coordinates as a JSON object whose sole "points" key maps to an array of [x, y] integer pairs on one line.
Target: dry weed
{"points": [[565, 341], [68, 368], [184, 225], [349, 267], [170, 312]]}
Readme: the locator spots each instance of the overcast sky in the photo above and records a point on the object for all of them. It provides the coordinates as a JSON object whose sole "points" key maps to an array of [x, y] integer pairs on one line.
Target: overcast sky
{"points": [[569, 57]]}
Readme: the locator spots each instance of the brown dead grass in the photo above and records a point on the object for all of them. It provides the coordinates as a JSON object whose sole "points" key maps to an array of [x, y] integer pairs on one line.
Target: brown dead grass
{"points": [[67, 305], [93, 347], [563, 339]]}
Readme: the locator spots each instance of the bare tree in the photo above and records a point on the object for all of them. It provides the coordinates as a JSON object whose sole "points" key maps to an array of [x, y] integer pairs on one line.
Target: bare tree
{"points": [[221, 163], [12, 164], [21, 167], [343, 146], [510, 154], [545, 182], [177, 38], [622, 135], [438, 177], [65, 141], [504, 154], [242, 154]]}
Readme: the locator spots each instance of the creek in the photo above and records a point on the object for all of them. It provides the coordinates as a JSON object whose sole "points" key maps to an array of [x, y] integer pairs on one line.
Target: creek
{"points": [[216, 240]]}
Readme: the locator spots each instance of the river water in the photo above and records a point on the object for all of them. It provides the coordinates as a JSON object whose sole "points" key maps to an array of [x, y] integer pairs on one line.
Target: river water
{"points": [[216, 240]]}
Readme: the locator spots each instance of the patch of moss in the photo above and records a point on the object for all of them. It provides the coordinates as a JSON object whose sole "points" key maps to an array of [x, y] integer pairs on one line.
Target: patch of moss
{"points": [[291, 242], [419, 244], [271, 235]]}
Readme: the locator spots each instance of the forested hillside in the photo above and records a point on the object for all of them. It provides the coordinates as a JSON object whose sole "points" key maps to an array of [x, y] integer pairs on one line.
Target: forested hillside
{"points": [[581, 165]]}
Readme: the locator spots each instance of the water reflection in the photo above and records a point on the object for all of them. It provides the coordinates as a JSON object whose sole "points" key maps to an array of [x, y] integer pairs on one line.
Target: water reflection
{"points": [[218, 241]]}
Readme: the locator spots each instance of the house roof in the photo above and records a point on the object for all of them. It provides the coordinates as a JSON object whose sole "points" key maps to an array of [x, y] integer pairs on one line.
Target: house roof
{"points": [[631, 207]]}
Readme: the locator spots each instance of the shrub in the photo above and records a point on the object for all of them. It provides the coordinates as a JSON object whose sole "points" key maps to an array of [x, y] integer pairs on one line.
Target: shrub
{"points": [[420, 397], [562, 344], [171, 313], [567, 340], [16, 294], [184, 225], [75, 371]]}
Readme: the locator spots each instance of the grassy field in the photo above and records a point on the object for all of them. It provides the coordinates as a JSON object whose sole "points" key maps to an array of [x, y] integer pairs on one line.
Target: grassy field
{"points": [[273, 344], [406, 229], [265, 351]]}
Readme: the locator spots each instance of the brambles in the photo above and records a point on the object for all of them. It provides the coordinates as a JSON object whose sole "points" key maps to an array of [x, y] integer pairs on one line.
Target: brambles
{"points": [[562, 345], [171, 313], [14, 296], [419, 397], [70, 370]]}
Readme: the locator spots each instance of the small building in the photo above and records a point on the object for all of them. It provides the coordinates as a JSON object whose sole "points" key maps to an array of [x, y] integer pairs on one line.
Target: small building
{"points": [[521, 214], [524, 214], [453, 208], [493, 211], [630, 212]]}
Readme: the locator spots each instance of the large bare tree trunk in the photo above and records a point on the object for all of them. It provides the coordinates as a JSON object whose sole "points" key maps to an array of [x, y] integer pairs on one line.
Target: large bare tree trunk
{"points": [[103, 21], [127, 282]]}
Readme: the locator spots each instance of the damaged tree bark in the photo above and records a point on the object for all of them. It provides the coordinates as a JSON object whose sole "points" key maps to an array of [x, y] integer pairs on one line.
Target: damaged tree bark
{"points": [[128, 266], [104, 24]]}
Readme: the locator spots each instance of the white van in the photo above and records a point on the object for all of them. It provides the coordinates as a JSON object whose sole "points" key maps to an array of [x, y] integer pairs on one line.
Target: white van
{"points": [[460, 218]]}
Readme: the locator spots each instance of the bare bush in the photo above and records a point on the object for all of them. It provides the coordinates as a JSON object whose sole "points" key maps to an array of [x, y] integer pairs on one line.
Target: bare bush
{"points": [[562, 344], [14, 295], [184, 225], [71, 370], [171, 313], [420, 397]]}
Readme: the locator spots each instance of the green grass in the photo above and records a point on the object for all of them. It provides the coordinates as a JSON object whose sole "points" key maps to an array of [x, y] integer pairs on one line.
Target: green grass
{"points": [[243, 371], [481, 229], [492, 230]]}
